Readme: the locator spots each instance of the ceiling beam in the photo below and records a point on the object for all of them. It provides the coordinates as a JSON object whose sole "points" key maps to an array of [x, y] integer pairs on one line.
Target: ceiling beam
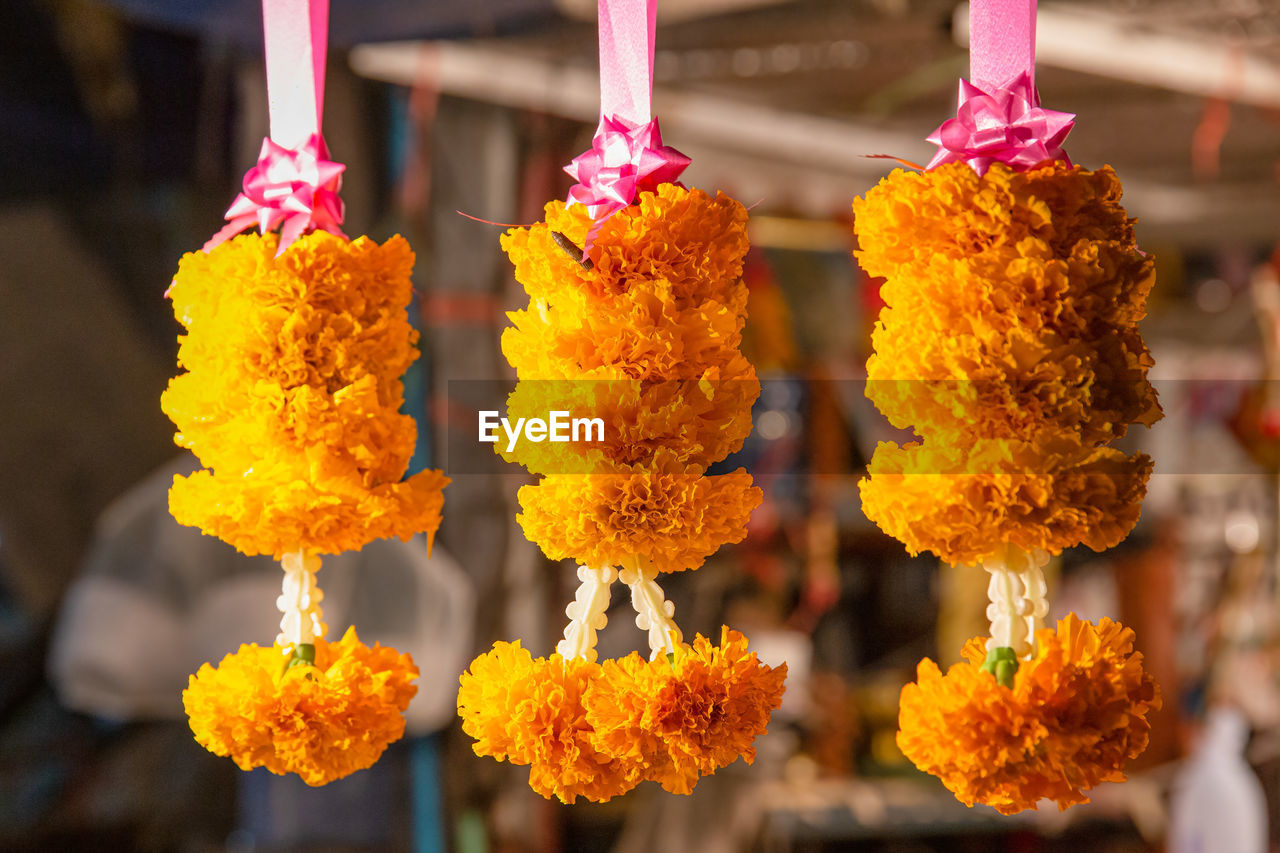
{"points": [[496, 74], [1095, 41], [811, 164]]}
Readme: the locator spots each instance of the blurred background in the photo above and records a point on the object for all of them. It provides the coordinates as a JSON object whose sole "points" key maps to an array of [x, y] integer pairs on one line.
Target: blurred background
{"points": [[126, 127]]}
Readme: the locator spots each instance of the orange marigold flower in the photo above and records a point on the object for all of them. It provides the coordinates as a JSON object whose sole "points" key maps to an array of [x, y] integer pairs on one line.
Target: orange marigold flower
{"points": [[674, 720], [322, 722], [1076, 713], [529, 710], [673, 515], [292, 395], [1012, 302], [963, 499]]}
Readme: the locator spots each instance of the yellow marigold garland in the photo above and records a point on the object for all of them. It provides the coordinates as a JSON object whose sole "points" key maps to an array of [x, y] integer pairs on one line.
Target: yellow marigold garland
{"points": [[322, 721], [1012, 307], [644, 336], [291, 399]]}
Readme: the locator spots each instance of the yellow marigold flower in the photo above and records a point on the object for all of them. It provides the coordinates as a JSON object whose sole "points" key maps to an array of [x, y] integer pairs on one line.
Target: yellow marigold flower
{"points": [[673, 515], [1076, 713], [676, 720], [322, 722], [292, 395], [529, 710], [963, 498], [1012, 302]]}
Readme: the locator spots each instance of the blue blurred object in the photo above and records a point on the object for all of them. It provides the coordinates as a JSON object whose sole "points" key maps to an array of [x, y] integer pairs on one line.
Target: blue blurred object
{"points": [[428, 795], [350, 21]]}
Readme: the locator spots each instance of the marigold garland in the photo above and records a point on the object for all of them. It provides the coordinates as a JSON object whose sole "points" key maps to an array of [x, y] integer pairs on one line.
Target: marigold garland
{"points": [[645, 337], [291, 399], [322, 722], [1009, 343], [1075, 713]]}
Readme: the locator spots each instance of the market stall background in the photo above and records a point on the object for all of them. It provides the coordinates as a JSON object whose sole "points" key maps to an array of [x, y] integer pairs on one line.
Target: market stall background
{"points": [[128, 124]]}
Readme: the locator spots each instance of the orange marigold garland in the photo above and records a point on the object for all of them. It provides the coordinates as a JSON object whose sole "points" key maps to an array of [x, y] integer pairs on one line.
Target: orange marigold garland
{"points": [[291, 400], [645, 337], [634, 323], [1009, 343]]}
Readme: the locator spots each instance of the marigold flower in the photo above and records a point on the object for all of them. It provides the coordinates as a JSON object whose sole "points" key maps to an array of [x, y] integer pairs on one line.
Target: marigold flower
{"points": [[529, 710], [322, 722], [674, 720], [965, 499], [292, 395], [1076, 713], [675, 517]]}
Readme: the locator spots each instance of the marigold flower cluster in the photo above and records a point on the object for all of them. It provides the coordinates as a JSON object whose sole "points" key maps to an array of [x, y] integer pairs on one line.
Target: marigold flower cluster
{"points": [[292, 394], [1010, 345], [645, 335], [291, 400], [322, 721], [597, 730], [1075, 713]]}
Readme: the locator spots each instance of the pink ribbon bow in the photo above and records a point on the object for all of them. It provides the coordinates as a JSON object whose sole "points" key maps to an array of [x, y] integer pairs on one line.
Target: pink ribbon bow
{"points": [[295, 189], [1006, 124], [625, 158], [626, 155]]}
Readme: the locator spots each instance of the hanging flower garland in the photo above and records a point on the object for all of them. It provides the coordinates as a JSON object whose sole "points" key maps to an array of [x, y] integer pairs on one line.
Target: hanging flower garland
{"points": [[1010, 345], [291, 399], [636, 312]]}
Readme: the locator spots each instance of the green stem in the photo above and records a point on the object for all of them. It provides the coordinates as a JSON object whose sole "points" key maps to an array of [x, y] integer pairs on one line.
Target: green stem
{"points": [[304, 654], [1002, 663]]}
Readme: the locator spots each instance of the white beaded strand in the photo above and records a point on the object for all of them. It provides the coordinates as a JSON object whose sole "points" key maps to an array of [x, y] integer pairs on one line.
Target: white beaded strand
{"points": [[299, 601], [653, 612], [1017, 593], [587, 613]]}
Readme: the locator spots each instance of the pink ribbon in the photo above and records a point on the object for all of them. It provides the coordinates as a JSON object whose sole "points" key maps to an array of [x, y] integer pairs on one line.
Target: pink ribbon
{"points": [[294, 189], [999, 117], [294, 185], [1007, 125], [626, 155]]}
